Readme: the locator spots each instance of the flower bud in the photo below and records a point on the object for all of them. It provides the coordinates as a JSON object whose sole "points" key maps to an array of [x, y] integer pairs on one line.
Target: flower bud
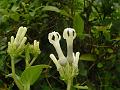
{"points": [[36, 49], [55, 61]]}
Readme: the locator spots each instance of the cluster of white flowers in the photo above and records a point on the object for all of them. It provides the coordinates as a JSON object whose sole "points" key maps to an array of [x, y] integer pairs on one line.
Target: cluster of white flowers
{"points": [[35, 48], [67, 66], [17, 45]]}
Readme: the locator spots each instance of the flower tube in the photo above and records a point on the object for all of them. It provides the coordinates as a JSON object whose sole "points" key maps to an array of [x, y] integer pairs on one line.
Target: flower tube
{"points": [[54, 39], [69, 34]]}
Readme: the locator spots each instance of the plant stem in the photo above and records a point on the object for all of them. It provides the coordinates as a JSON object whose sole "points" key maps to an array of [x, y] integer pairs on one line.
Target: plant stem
{"points": [[69, 84], [27, 86], [32, 61], [18, 83]]}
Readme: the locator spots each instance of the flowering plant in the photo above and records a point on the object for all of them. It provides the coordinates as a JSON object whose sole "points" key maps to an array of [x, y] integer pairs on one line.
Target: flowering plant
{"points": [[16, 47], [67, 66]]}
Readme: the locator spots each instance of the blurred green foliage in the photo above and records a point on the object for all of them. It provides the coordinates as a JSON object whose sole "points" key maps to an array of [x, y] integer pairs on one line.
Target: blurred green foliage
{"points": [[97, 23]]}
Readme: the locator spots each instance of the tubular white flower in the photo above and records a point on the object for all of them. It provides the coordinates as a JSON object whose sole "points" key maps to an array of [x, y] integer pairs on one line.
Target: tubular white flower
{"points": [[20, 35], [67, 67], [55, 61], [22, 43], [69, 34], [16, 45], [12, 39], [35, 42], [19, 32], [36, 49], [54, 39], [76, 59]]}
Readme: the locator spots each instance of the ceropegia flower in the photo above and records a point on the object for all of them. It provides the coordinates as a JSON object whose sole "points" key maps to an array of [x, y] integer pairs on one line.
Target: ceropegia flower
{"points": [[67, 66], [16, 45]]}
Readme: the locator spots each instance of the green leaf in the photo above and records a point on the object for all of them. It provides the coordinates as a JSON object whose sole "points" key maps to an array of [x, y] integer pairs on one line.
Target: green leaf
{"points": [[32, 73], [15, 16], [63, 12], [50, 8], [14, 8], [99, 65], [111, 57], [78, 25], [88, 57], [117, 38], [107, 34], [32, 13], [80, 87], [110, 50], [5, 18]]}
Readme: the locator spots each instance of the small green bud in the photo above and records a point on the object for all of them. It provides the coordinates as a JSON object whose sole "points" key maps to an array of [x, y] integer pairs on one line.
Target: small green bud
{"points": [[36, 49]]}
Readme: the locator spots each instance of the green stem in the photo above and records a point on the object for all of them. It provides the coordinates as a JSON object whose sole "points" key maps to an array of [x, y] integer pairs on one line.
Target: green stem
{"points": [[18, 83], [32, 61], [69, 84], [27, 61], [27, 57], [27, 86]]}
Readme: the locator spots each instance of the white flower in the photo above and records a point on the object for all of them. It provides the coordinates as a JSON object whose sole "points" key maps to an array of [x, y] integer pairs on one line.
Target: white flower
{"points": [[69, 34], [54, 39], [36, 49], [67, 66], [16, 45]]}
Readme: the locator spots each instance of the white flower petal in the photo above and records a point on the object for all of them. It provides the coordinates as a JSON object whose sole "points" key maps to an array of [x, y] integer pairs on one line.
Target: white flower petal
{"points": [[54, 37], [55, 61], [69, 33], [12, 39], [76, 59]]}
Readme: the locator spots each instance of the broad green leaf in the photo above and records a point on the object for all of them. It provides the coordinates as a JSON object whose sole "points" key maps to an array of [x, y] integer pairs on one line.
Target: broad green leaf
{"points": [[55, 9], [88, 57], [50, 8], [78, 25], [63, 12], [32, 73]]}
